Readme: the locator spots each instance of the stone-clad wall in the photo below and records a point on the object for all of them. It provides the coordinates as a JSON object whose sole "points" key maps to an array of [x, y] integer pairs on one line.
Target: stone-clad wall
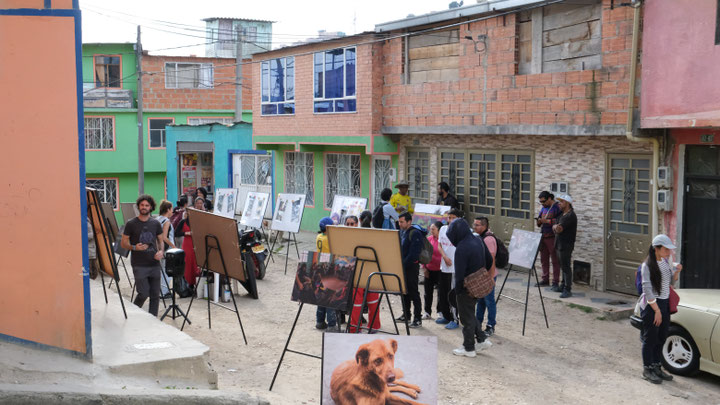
{"points": [[580, 161]]}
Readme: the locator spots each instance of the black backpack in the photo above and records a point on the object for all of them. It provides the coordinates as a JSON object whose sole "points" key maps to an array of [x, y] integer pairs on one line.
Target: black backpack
{"points": [[378, 216], [426, 253]]}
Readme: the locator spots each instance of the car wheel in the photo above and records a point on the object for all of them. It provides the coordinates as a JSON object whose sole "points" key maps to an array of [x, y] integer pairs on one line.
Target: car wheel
{"points": [[680, 354]]}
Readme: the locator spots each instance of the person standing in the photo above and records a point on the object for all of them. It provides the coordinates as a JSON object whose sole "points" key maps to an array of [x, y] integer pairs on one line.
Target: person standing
{"points": [[447, 267], [177, 216], [386, 215], [323, 313], [432, 271], [373, 298], [411, 243], [469, 258], [168, 236], [657, 274], [548, 216], [444, 196], [565, 232], [143, 237], [401, 201], [481, 226]]}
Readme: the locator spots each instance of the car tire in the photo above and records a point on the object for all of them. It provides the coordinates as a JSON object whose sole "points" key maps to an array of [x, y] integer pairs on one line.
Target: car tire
{"points": [[680, 354]]}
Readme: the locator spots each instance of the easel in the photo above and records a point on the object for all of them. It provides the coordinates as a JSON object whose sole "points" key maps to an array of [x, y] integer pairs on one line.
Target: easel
{"points": [[122, 253], [382, 292], [531, 271], [210, 280], [287, 252]]}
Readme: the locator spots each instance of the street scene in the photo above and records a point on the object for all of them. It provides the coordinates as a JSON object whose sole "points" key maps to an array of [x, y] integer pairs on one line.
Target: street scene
{"points": [[485, 201]]}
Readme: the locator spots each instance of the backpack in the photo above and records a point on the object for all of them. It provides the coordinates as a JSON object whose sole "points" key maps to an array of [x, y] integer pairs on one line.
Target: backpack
{"points": [[502, 255], [638, 280], [426, 253], [378, 216], [176, 217]]}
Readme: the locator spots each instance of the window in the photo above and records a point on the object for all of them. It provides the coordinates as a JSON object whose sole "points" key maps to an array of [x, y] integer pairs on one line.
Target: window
{"points": [[107, 71], [334, 81], [107, 190], [249, 34], [342, 176], [188, 75], [157, 131], [99, 133], [210, 120], [432, 57], [382, 172], [300, 175], [278, 86], [255, 170], [418, 176]]}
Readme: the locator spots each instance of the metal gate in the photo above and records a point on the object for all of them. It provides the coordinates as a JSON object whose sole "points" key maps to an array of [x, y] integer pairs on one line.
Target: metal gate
{"points": [[627, 219], [252, 172], [381, 174], [701, 229]]}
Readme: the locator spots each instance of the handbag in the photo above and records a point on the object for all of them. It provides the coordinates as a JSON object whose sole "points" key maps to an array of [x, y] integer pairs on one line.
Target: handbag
{"points": [[479, 284], [674, 300]]}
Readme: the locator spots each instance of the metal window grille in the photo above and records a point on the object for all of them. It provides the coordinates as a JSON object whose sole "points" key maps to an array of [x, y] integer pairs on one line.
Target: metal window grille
{"points": [[107, 190], [482, 187], [630, 195], [342, 176], [515, 185], [418, 176], [300, 175], [381, 178], [452, 171], [99, 133]]}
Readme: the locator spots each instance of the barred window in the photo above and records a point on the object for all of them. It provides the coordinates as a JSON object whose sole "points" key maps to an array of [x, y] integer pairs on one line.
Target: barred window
{"points": [[210, 120], [300, 175], [342, 176], [107, 190], [99, 133]]}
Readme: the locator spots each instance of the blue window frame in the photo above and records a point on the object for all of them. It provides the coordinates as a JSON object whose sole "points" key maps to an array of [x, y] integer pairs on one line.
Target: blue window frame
{"points": [[278, 86], [334, 81]]}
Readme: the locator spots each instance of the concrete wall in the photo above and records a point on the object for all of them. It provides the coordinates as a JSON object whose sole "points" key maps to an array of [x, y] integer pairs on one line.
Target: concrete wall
{"points": [[44, 296], [680, 85]]}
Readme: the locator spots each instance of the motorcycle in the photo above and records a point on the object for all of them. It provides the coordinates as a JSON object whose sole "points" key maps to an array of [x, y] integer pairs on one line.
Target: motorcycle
{"points": [[253, 252]]}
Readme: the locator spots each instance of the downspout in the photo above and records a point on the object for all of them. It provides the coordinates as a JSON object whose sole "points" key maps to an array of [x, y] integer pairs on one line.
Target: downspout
{"points": [[636, 4]]}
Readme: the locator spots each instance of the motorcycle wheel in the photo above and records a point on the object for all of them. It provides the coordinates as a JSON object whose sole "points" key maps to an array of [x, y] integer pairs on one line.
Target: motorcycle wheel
{"points": [[259, 263]]}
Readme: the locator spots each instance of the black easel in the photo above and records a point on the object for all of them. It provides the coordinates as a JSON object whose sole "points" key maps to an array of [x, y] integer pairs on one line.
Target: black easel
{"points": [[210, 280], [287, 252], [531, 271], [382, 292]]}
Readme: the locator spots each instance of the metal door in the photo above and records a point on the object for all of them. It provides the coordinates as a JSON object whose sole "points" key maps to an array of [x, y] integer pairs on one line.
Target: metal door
{"points": [[252, 172], [701, 229], [627, 219], [381, 172]]}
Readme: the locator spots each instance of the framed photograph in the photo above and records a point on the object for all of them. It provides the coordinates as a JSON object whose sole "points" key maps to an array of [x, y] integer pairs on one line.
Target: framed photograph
{"points": [[254, 210], [225, 202], [324, 280], [365, 369], [523, 248], [344, 206], [289, 210]]}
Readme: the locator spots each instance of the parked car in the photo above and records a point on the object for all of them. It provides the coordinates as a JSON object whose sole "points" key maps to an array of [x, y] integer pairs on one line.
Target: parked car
{"points": [[693, 342]]}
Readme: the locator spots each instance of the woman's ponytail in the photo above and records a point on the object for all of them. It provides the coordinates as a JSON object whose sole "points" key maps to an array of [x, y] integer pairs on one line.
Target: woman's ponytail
{"points": [[655, 276]]}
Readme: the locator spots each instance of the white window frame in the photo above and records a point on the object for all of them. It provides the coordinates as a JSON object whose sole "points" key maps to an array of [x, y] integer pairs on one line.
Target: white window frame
{"points": [[286, 100], [355, 192], [309, 194], [163, 133], [107, 141], [195, 121], [103, 191], [169, 75], [345, 96]]}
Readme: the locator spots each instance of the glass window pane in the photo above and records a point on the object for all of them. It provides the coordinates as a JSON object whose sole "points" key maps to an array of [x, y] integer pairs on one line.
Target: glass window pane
{"points": [[623, 163], [323, 106], [641, 163], [290, 78], [334, 73], [264, 72], [350, 72], [269, 109], [277, 80], [318, 76], [345, 105], [287, 108]]}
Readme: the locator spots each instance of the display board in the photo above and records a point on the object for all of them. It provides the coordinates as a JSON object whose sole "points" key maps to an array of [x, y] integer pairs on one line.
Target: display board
{"points": [[348, 358], [386, 243], [289, 210], [344, 206], [225, 202], [431, 209], [109, 214], [129, 211], [324, 280], [523, 248], [103, 239], [254, 209]]}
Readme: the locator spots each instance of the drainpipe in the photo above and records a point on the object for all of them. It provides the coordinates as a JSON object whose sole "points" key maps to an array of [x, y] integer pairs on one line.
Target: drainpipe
{"points": [[636, 4]]}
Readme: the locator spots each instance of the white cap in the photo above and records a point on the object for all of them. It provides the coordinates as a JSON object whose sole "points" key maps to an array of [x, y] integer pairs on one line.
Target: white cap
{"points": [[565, 197], [663, 240]]}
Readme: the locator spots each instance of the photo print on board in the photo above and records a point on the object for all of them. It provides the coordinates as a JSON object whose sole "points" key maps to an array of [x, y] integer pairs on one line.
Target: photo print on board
{"points": [[324, 280]]}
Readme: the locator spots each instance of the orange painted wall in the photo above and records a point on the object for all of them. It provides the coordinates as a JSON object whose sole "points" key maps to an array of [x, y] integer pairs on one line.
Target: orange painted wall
{"points": [[42, 296]]}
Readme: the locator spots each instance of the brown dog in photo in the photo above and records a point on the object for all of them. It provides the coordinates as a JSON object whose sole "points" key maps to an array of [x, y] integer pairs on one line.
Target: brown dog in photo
{"points": [[371, 378]]}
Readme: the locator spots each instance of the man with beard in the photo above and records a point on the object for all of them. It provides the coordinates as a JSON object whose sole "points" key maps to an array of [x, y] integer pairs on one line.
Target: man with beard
{"points": [[444, 196], [143, 236]]}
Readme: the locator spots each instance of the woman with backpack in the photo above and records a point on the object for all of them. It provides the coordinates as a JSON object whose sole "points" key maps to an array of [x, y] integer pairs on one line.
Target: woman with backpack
{"points": [[657, 275], [385, 216]]}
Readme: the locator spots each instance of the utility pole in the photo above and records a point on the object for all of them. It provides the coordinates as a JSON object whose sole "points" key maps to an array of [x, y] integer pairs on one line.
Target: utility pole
{"points": [[238, 76], [141, 151]]}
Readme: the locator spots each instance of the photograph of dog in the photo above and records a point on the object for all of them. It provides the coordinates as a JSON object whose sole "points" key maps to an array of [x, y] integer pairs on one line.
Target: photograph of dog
{"points": [[361, 369]]}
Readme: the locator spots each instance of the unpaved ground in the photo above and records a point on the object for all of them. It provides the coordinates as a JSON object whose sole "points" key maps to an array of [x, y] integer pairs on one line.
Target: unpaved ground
{"points": [[580, 359]]}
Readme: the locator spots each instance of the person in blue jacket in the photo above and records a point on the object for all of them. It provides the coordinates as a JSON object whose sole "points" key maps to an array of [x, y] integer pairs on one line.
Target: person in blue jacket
{"points": [[411, 243], [469, 257]]}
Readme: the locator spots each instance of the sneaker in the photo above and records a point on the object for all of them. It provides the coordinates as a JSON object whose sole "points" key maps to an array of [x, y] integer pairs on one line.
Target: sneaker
{"points": [[566, 294], [660, 373], [484, 345], [441, 321], [416, 323], [556, 288], [425, 315], [460, 351], [542, 284], [452, 325], [489, 330], [333, 329], [649, 374], [400, 318], [320, 325]]}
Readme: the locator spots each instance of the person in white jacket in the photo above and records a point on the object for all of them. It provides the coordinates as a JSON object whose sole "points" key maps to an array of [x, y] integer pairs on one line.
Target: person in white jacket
{"points": [[447, 267]]}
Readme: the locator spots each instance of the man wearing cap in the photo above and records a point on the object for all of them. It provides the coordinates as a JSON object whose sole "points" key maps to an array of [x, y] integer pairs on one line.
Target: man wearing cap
{"points": [[401, 201], [565, 232]]}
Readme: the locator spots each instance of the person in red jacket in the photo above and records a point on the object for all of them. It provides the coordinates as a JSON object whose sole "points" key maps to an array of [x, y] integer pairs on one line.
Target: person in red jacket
{"points": [[432, 271]]}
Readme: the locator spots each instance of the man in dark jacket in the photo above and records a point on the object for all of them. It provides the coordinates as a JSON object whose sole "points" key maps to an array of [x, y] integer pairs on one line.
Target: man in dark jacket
{"points": [[565, 232], [445, 198], [469, 258], [411, 242]]}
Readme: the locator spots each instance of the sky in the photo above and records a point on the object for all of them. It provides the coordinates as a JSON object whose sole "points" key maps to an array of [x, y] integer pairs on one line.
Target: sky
{"points": [[116, 21]]}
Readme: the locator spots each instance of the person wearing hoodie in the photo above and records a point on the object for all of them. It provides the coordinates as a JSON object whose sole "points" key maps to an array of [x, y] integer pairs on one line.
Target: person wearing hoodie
{"points": [[411, 243], [469, 258]]}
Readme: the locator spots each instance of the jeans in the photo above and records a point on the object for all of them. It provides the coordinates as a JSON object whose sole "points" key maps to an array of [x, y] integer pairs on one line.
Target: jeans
{"points": [[430, 283], [653, 337], [470, 327], [487, 302], [147, 283], [564, 257], [321, 313], [164, 280], [443, 296], [413, 295], [548, 254]]}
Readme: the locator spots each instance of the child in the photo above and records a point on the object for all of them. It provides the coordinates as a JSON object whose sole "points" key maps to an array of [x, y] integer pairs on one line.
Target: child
{"points": [[323, 313]]}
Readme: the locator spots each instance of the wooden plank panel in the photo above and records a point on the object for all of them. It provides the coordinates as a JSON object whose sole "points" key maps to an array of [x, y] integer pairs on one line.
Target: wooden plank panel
{"points": [[566, 65], [440, 75], [435, 38], [571, 50], [562, 15], [577, 32], [435, 51], [537, 40], [525, 31], [451, 62], [525, 57]]}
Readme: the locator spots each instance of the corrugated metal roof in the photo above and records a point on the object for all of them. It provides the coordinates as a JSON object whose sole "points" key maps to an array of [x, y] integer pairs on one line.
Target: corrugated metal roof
{"points": [[238, 19]]}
